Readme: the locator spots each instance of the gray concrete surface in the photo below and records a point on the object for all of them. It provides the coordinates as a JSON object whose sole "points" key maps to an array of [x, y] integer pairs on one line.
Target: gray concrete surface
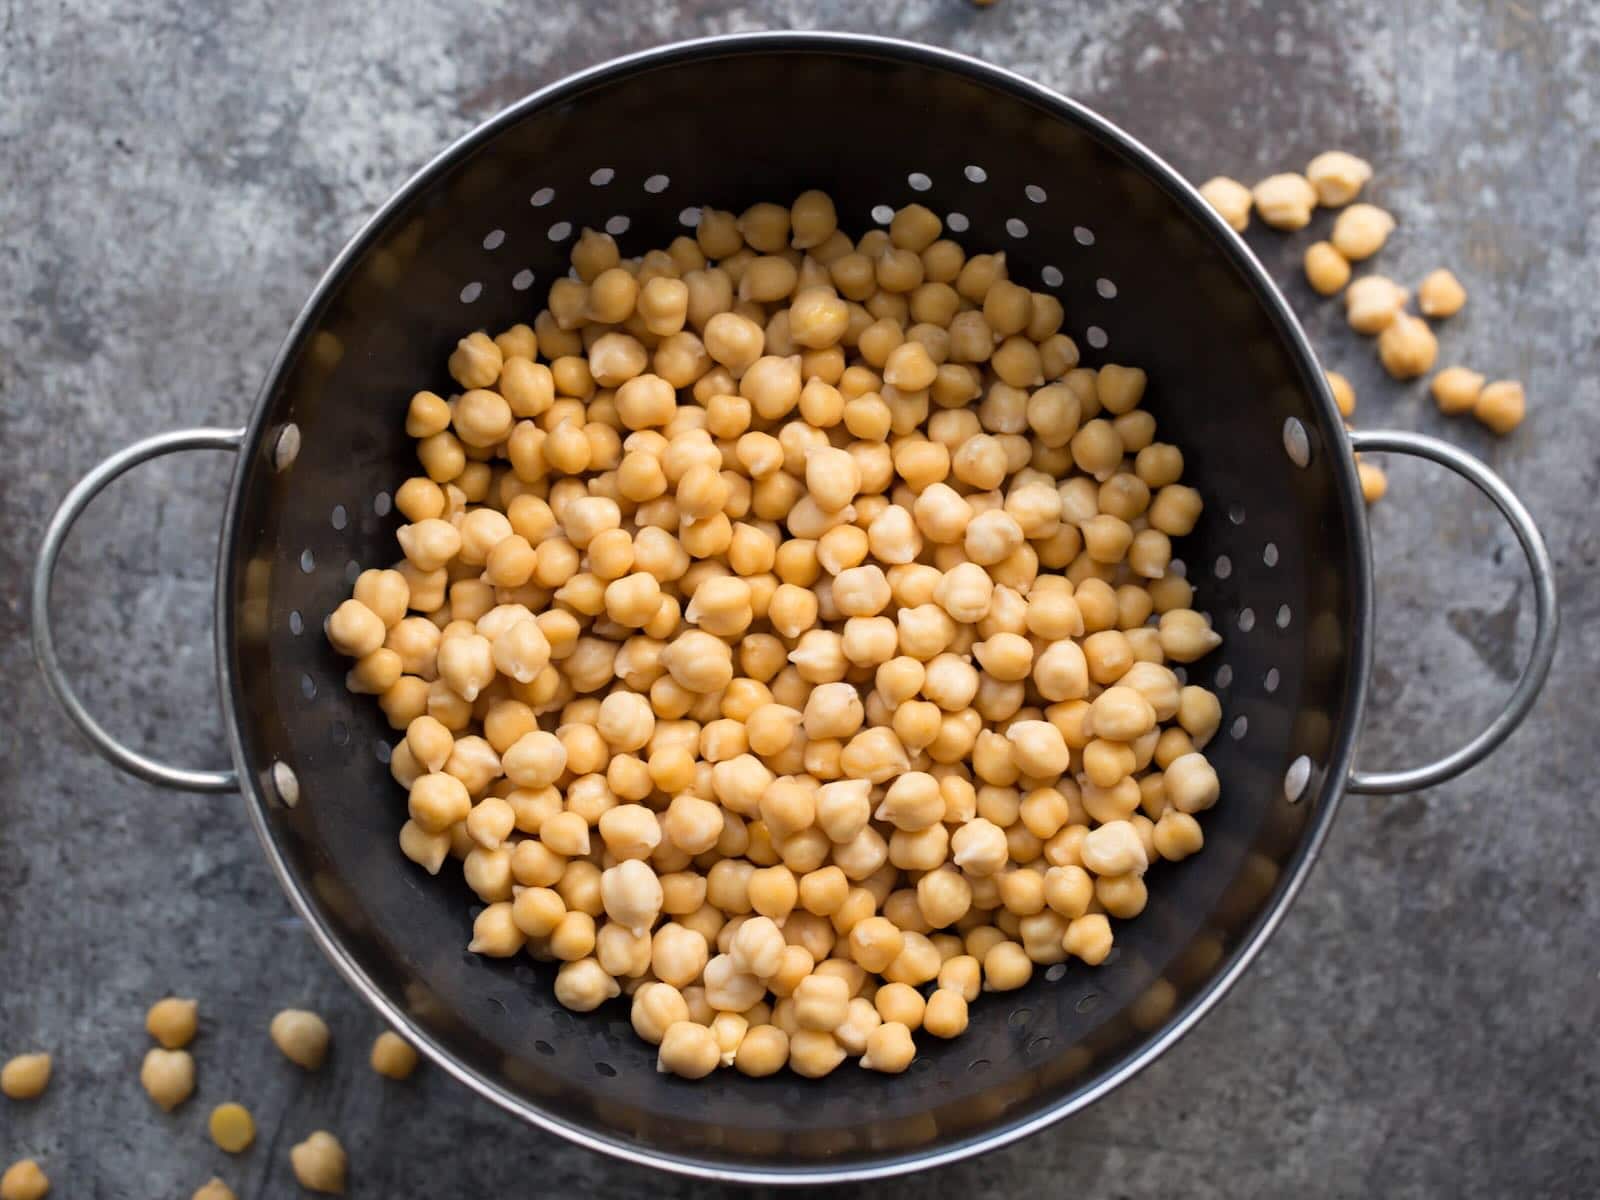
{"points": [[177, 174]]}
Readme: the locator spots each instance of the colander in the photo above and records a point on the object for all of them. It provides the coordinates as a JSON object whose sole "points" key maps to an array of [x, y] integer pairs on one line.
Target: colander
{"points": [[1147, 274]]}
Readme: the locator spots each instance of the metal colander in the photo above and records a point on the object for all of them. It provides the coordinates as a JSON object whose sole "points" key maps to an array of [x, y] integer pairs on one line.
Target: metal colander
{"points": [[1148, 276]]}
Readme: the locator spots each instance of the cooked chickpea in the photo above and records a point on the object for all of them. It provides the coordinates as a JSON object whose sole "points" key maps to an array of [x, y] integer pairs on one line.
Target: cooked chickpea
{"points": [[1440, 294], [26, 1076], [1285, 201], [1231, 199], [1501, 406], [1327, 271], [1407, 347], [320, 1163], [1456, 389], [168, 1077]]}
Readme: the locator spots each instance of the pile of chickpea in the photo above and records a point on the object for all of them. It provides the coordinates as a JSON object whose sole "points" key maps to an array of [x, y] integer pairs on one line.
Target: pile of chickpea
{"points": [[788, 649]]}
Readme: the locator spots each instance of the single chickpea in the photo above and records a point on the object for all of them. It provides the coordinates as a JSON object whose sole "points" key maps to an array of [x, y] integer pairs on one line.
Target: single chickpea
{"points": [[26, 1076], [1372, 303], [1191, 784], [1407, 347], [1338, 177], [979, 847], [1088, 938], [212, 1189], [582, 985], [1360, 231], [1006, 967], [25, 1180], [1327, 271], [1501, 406], [232, 1128], [168, 1077], [319, 1163], [1440, 294], [813, 1053], [1231, 199], [1285, 201], [764, 1051], [1177, 835], [1456, 389]]}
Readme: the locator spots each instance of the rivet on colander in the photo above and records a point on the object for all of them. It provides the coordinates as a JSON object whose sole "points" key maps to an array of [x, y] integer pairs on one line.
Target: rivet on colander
{"points": [[287, 448], [1284, 616], [957, 222], [618, 225], [1240, 727], [1017, 227], [689, 217], [382, 503], [1296, 442], [1224, 675], [1055, 972], [1269, 554], [1052, 276], [1296, 778], [308, 561], [1035, 193], [285, 785], [382, 751], [542, 197], [1096, 337], [1247, 620], [559, 232], [494, 239], [976, 173], [340, 733], [1107, 289], [1270, 681], [475, 289], [338, 518], [602, 176], [1223, 567], [352, 571], [297, 624], [918, 181], [522, 280], [308, 687], [1236, 514], [657, 184], [1084, 236], [1179, 568], [882, 214]]}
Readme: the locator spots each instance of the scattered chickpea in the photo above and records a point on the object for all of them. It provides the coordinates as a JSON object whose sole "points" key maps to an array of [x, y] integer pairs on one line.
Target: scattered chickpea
{"points": [[1230, 198], [1327, 271], [1360, 231], [772, 707], [214, 1189], [319, 1163], [168, 1077], [1407, 347], [1285, 201], [302, 1037], [25, 1077], [24, 1180], [1440, 294], [393, 1056], [1456, 390], [173, 1021], [1372, 302], [1338, 177], [1501, 406], [232, 1127], [1344, 396], [1374, 483]]}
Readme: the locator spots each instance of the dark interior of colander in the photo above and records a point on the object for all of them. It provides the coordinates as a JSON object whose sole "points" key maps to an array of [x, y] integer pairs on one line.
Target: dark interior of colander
{"points": [[1144, 281]]}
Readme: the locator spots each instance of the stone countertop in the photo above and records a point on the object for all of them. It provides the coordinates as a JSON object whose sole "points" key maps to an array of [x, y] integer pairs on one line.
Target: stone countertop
{"points": [[177, 175]]}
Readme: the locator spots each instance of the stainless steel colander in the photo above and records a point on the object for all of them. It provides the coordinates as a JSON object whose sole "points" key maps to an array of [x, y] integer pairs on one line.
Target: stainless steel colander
{"points": [[1147, 275]]}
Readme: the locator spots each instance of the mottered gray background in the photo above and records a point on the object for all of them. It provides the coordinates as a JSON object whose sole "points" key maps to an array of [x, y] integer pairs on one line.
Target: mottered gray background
{"points": [[178, 174]]}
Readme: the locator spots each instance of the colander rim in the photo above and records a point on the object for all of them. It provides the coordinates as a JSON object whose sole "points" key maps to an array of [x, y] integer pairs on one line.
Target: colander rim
{"points": [[1360, 582]]}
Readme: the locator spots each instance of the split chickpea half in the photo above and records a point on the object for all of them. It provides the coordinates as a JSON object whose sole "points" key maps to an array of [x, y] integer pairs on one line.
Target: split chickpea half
{"points": [[793, 648]]}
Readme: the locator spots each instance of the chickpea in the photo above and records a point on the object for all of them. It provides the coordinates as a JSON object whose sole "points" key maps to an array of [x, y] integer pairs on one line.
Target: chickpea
{"points": [[1231, 199], [1006, 967], [582, 985], [1361, 231], [1285, 201], [168, 1077], [212, 1189], [1372, 302], [1407, 347], [319, 1163], [232, 1128], [1440, 294], [1501, 406], [1327, 271], [1088, 938], [1456, 389], [979, 847], [26, 1076], [24, 1180]]}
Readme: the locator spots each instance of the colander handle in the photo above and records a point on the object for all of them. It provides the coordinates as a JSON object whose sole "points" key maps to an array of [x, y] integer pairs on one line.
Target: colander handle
{"points": [[1546, 617], [44, 569]]}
